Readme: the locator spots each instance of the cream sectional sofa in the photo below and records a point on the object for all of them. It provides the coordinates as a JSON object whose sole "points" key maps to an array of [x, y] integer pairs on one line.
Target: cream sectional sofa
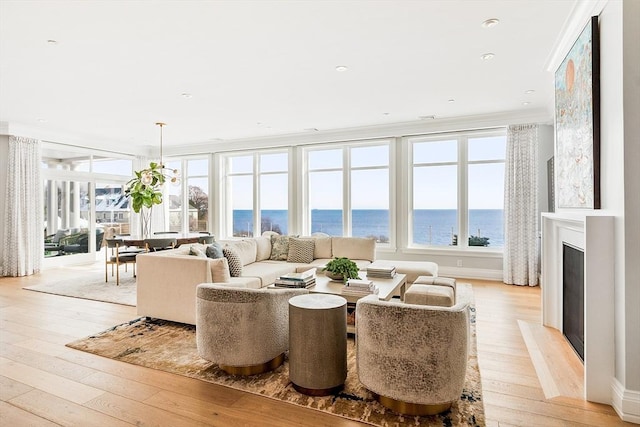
{"points": [[167, 280]]}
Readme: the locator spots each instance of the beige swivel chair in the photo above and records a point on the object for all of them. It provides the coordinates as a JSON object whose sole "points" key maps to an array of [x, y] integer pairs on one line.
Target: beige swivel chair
{"points": [[245, 331], [413, 357]]}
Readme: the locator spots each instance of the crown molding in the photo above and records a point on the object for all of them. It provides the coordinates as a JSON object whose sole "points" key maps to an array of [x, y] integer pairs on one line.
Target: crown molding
{"points": [[394, 130], [582, 11]]}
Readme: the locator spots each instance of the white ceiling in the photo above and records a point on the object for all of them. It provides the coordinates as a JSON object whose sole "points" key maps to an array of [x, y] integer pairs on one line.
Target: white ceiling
{"points": [[264, 68]]}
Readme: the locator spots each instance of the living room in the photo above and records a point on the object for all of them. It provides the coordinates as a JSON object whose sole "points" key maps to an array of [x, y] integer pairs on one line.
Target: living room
{"points": [[255, 130]]}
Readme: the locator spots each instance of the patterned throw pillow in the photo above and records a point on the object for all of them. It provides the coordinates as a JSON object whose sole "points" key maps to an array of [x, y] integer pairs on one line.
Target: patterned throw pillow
{"points": [[301, 250], [214, 250], [235, 264], [279, 248]]}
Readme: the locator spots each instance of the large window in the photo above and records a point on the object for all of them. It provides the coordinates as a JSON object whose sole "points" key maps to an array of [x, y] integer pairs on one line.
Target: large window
{"points": [[256, 193], [348, 190], [187, 202], [83, 200], [456, 189]]}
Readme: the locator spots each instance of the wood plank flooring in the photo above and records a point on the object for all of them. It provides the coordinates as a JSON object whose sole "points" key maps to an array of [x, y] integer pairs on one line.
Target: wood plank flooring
{"points": [[44, 383]]}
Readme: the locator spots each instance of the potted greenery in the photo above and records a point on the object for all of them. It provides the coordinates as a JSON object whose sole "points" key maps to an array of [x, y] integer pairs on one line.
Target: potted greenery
{"points": [[341, 269], [145, 190]]}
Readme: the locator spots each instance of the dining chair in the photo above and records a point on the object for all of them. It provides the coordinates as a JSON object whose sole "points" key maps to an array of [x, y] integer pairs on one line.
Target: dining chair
{"points": [[156, 244], [206, 240], [116, 255]]}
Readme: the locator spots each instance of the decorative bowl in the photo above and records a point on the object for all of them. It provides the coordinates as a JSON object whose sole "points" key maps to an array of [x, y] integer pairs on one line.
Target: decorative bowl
{"points": [[334, 276]]}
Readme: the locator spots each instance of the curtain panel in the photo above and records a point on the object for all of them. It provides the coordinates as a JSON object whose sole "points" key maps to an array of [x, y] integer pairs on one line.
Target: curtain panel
{"points": [[521, 255], [23, 226]]}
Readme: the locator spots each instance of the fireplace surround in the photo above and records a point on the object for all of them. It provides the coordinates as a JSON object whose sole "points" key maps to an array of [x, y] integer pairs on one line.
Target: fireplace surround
{"points": [[591, 233]]}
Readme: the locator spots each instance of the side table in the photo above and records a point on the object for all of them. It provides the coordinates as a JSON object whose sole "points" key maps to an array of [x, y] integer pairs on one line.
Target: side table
{"points": [[317, 343]]}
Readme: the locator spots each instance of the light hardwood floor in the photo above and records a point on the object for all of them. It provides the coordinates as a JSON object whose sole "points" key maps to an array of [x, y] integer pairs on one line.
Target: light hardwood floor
{"points": [[44, 383]]}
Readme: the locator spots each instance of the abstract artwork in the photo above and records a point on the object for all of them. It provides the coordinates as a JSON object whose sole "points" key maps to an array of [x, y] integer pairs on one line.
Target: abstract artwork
{"points": [[577, 118]]}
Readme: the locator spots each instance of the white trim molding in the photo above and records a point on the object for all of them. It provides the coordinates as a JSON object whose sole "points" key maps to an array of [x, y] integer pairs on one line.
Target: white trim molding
{"points": [[625, 402], [470, 273]]}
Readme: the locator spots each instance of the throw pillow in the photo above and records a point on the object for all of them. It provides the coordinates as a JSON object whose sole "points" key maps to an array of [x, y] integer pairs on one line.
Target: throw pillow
{"points": [[300, 250], [220, 270], [279, 248], [197, 252], [235, 264], [214, 250]]}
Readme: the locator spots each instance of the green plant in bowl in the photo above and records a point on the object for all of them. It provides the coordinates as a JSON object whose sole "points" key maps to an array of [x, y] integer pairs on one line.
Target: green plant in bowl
{"points": [[341, 268]]}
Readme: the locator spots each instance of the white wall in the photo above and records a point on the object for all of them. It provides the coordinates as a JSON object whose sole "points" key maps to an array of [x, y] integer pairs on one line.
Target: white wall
{"points": [[620, 176], [631, 105], [4, 164]]}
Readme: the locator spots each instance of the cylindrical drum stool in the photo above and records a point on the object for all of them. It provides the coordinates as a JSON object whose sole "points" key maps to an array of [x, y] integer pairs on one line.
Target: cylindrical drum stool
{"points": [[317, 343]]}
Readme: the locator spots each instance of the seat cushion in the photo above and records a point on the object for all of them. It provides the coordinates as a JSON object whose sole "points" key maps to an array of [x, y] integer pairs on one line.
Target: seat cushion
{"points": [[268, 272], [442, 296], [413, 269]]}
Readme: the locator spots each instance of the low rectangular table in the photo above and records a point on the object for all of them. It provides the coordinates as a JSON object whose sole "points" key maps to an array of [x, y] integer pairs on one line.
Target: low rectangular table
{"points": [[387, 289]]}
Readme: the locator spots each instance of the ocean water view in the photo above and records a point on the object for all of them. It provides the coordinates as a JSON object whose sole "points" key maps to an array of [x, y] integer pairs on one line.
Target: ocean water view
{"points": [[431, 226]]}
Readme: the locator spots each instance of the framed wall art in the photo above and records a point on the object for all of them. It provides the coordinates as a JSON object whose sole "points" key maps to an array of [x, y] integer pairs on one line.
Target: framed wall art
{"points": [[577, 123]]}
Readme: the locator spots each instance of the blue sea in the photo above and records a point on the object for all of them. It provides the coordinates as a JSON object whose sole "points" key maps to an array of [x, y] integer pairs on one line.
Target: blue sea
{"points": [[431, 226]]}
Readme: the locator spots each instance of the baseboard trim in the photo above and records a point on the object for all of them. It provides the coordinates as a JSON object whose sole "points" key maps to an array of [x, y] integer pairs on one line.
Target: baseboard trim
{"points": [[625, 402], [470, 273]]}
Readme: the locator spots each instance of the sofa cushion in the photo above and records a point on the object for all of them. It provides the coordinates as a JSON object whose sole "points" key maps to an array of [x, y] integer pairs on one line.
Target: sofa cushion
{"points": [[235, 263], [247, 250], [300, 250], [263, 248], [268, 271], [354, 247], [279, 248], [220, 270], [214, 251], [196, 251], [322, 247]]}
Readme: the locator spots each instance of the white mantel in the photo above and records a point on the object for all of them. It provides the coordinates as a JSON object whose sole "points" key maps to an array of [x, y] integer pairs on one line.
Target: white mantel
{"points": [[593, 233]]}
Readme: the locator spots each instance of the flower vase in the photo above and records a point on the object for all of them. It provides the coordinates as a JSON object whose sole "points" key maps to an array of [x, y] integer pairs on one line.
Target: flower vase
{"points": [[145, 222]]}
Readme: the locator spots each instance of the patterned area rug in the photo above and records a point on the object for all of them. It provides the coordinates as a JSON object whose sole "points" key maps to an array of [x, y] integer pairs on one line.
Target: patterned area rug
{"points": [[171, 347], [93, 287]]}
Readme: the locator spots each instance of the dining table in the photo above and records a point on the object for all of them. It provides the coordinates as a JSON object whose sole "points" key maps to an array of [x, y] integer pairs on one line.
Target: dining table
{"points": [[181, 238]]}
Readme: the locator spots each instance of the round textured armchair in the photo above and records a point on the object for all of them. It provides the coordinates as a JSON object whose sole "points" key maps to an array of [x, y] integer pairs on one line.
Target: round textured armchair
{"points": [[414, 357], [245, 331]]}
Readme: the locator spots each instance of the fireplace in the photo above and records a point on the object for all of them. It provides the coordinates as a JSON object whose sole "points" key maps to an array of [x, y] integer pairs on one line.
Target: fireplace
{"points": [[573, 297], [589, 236]]}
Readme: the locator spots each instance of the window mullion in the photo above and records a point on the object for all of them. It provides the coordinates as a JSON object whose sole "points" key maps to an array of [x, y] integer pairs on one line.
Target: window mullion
{"points": [[346, 193], [463, 205], [257, 225]]}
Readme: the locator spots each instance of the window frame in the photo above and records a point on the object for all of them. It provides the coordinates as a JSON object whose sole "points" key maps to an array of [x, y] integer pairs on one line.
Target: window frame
{"points": [[226, 214], [347, 169], [463, 164]]}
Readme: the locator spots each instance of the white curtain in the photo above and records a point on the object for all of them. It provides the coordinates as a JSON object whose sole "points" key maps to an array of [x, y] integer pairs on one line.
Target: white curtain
{"points": [[521, 260], [23, 228]]}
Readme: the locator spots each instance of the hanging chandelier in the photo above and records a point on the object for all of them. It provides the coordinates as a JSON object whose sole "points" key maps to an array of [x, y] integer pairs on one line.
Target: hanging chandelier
{"points": [[145, 188], [173, 175]]}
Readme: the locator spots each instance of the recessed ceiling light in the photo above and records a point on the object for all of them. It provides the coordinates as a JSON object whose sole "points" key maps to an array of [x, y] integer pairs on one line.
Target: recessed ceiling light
{"points": [[491, 22], [311, 130], [385, 114], [450, 101], [186, 95], [342, 68], [431, 117], [529, 92], [487, 56], [526, 103], [42, 120], [52, 41]]}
